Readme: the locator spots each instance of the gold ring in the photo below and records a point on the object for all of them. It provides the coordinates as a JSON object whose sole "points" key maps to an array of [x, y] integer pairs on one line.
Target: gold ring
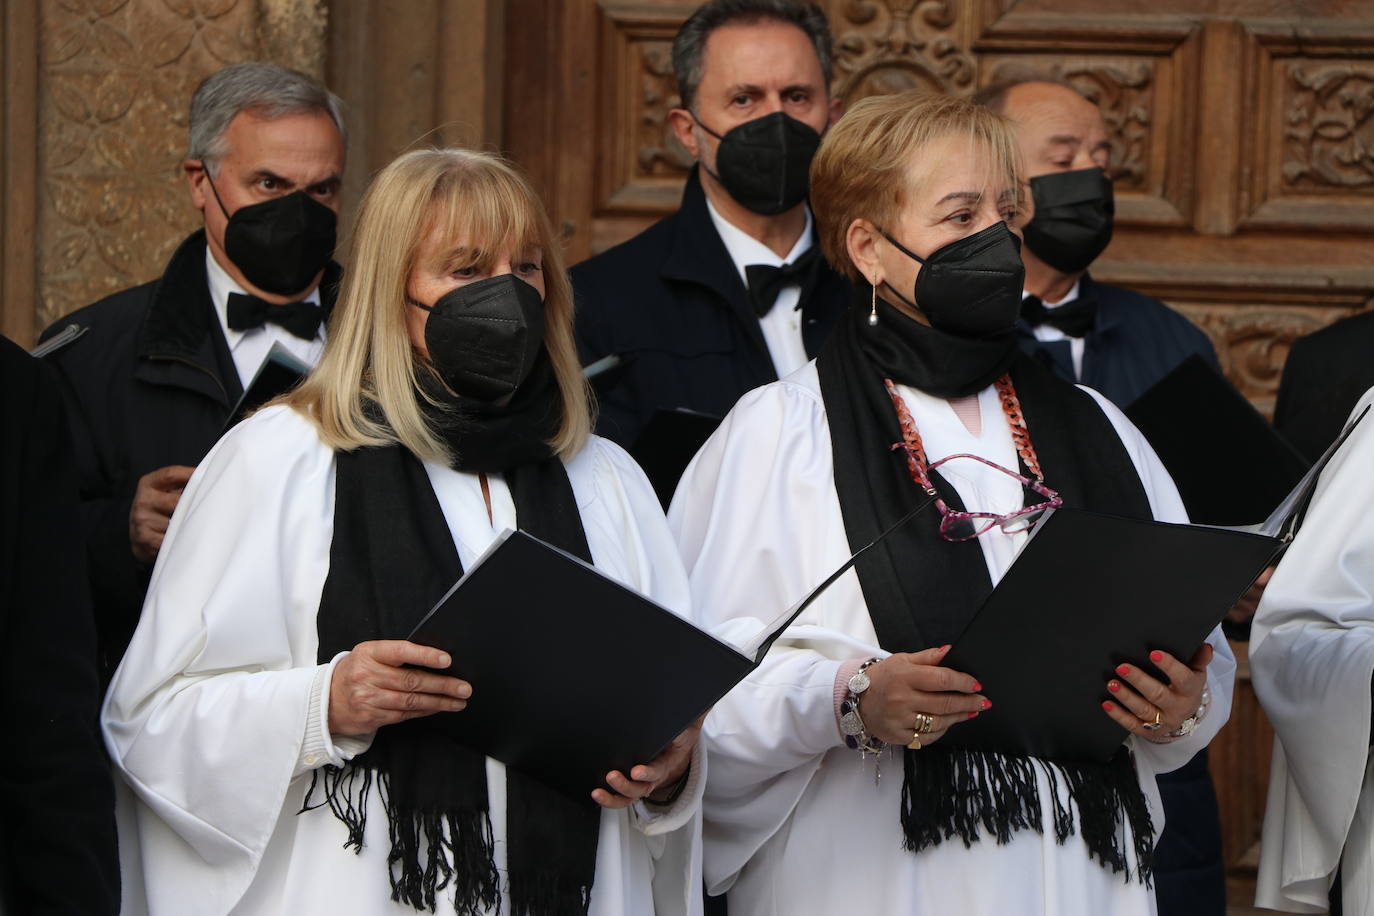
{"points": [[915, 742], [1157, 724], [925, 723]]}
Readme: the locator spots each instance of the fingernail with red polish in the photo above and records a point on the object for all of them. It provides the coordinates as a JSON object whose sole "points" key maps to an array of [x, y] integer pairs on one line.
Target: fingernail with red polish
{"points": [[1109, 705], [1123, 670], [1113, 686], [987, 704], [1156, 656], [977, 687]]}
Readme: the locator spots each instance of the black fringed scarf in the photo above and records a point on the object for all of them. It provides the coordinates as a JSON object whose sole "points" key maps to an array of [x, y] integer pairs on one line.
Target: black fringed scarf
{"points": [[391, 559], [922, 591]]}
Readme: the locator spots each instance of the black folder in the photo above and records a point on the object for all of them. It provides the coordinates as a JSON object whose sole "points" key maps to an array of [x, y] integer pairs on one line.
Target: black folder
{"points": [[667, 445], [1230, 465], [574, 674], [1089, 591], [279, 372]]}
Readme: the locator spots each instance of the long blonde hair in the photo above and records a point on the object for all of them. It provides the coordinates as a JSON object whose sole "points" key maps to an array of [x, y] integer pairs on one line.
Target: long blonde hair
{"points": [[363, 392]]}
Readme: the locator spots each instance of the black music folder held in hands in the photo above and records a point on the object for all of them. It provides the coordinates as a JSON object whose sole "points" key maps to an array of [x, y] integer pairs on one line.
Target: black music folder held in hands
{"points": [[574, 674], [1090, 591], [279, 372], [1229, 464], [668, 443]]}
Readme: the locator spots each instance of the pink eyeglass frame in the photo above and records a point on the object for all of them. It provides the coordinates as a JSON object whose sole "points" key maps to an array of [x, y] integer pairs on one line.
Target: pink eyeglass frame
{"points": [[1010, 522]]}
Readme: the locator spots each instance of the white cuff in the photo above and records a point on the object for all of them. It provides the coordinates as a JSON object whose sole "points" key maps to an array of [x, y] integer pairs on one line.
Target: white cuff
{"points": [[652, 820], [320, 748]]}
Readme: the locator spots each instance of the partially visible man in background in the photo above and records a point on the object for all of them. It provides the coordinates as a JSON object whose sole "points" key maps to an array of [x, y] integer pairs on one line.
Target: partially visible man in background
{"points": [[152, 373], [730, 292]]}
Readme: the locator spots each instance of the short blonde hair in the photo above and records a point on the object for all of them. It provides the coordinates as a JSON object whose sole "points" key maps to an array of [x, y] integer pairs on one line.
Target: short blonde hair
{"points": [[364, 390], [861, 169]]}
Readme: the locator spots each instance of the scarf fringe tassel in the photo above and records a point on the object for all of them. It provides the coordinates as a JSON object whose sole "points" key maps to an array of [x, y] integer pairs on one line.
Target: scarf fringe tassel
{"points": [[948, 793]]}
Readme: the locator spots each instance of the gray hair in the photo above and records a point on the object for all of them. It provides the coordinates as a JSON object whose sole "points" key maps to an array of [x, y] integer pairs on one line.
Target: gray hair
{"points": [[690, 44], [266, 89], [994, 95]]}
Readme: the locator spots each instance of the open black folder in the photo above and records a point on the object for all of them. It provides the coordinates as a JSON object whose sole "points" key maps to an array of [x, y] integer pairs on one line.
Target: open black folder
{"points": [[1090, 591], [575, 674], [1229, 464], [279, 372]]}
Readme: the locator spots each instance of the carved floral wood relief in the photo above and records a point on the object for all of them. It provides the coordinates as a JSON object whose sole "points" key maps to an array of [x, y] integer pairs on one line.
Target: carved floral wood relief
{"points": [[1329, 135], [115, 88], [884, 47]]}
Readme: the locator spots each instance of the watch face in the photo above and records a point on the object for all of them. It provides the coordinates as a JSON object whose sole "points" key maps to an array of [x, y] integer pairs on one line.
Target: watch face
{"points": [[859, 682], [851, 724]]}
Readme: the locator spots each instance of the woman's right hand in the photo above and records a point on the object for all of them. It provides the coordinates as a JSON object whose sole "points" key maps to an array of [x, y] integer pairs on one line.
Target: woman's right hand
{"points": [[908, 683], [371, 687]]}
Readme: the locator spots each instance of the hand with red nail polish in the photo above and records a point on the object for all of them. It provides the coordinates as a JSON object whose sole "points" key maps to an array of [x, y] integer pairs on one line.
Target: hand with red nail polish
{"points": [[1140, 697], [906, 684]]}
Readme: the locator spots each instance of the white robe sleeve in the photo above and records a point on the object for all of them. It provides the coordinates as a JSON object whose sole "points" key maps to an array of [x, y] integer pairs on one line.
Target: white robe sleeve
{"points": [[208, 713], [1167, 506], [1312, 657]]}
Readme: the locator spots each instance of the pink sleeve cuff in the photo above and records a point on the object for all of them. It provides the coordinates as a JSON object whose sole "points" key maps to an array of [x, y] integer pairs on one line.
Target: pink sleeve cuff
{"points": [[847, 670]]}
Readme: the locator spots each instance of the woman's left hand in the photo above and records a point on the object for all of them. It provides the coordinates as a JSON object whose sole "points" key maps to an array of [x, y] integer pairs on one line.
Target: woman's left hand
{"points": [[647, 778], [1140, 698]]}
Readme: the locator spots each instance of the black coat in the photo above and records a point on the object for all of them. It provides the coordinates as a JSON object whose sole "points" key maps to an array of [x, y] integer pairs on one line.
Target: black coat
{"points": [[1135, 341], [671, 304], [57, 829], [1323, 379], [148, 384]]}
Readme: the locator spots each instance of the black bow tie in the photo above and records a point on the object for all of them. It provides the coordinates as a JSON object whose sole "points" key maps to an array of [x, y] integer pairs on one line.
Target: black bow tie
{"points": [[766, 281], [300, 318], [1074, 318]]}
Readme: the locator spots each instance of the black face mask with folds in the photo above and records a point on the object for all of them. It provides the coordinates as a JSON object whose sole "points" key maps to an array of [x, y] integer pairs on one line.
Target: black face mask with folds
{"points": [[970, 291], [1073, 218], [484, 338], [765, 164], [282, 244]]}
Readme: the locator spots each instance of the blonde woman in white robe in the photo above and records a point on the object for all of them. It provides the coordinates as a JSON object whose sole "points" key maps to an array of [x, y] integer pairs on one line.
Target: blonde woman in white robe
{"points": [[277, 732], [913, 197]]}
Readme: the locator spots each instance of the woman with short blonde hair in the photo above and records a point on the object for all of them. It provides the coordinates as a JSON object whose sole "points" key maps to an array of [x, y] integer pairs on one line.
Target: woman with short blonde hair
{"points": [[920, 390], [284, 742]]}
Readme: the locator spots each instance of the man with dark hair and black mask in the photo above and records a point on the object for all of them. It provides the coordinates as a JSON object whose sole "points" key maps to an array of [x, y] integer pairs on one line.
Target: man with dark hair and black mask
{"points": [[151, 374], [730, 292], [1120, 343], [1108, 338]]}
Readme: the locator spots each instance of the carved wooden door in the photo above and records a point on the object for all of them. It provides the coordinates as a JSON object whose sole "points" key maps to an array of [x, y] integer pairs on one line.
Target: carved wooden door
{"points": [[1243, 135]]}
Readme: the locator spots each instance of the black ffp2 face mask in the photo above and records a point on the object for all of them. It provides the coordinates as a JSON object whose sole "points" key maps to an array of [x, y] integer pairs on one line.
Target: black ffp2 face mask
{"points": [[765, 164], [1073, 218], [484, 338], [970, 288], [281, 244]]}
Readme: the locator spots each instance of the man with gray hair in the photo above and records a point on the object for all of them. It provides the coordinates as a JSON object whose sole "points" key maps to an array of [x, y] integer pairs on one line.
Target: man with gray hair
{"points": [[151, 374], [730, 292]]}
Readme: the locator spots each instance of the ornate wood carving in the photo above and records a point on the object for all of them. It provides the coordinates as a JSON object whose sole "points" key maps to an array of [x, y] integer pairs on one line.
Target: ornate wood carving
{"points": [[115, 86], [883, 47], [658, 152], [1330, 127]]}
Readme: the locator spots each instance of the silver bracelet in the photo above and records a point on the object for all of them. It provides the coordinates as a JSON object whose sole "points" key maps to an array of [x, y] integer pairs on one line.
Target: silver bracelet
{"points": [[1190, 724], [856, 736]]}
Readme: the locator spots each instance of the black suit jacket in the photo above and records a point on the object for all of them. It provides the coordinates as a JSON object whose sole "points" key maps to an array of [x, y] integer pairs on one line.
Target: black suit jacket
{"points": [[671, 304], [57, 830], [148, 384], [1135, 342], [1323, 379]]}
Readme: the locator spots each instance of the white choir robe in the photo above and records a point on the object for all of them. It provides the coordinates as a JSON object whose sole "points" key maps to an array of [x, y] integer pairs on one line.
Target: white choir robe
{"points": [[217, 716], [1311, 658], [795, 822]]}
